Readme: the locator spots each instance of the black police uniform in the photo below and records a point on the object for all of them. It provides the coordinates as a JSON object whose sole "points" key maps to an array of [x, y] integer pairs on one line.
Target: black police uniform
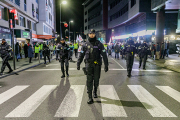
{"points": [[63, 57], [4, 51], [143, 54], [92, 50], [46, 53], [130, 50]]}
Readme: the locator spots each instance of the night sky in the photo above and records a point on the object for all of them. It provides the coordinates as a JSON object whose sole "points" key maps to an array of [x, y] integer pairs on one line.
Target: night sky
{"points": [[73, 10]]}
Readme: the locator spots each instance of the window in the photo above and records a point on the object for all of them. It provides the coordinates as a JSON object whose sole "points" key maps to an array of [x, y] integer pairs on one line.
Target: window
{"points": [[133, 2], [113, 4], [86, 28], [25, 8], [47, 16], [4, 13], [33, 26], [44, 28], [17, 2], [119, 13], [95, 6], [37, 1], [29, 24], [22, 21], [33, 10], [37, 13], [86, 13], [85, 20]]}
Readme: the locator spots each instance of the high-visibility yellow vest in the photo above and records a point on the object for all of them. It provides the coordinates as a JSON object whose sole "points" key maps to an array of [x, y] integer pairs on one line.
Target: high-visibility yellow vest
{"points": [[105, 46], [54, 47], [37, 49], [41, 47], [76, 46]]}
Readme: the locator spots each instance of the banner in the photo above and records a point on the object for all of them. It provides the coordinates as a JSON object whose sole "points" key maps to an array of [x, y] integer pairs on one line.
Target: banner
{"points": [[80, 38]]}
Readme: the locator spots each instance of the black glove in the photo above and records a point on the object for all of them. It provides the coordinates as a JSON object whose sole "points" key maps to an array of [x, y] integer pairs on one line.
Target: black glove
{"points": [[78, 67], [106, 68]]}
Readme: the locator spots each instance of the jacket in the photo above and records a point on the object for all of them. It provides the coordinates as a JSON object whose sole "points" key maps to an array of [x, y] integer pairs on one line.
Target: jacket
{"points": [[5, 49], [30, 52]]}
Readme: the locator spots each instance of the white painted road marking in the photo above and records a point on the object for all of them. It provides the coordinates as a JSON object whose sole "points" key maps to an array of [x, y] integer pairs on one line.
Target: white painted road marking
{"points": [[115, 108], [118, 63], [31, 104], [36, 70], [70, 106], [171, 92], [11, 92], [156, 109]]}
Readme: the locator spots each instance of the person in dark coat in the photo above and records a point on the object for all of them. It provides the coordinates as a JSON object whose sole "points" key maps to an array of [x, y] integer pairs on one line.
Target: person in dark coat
{"points": [[4, 52], [26, 50], [30, 53], [17, 50], [117, 50], [46, 53]]}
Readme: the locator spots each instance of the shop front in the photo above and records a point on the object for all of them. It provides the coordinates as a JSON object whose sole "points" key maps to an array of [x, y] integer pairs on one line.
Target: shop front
{"points": [[5, 33]]}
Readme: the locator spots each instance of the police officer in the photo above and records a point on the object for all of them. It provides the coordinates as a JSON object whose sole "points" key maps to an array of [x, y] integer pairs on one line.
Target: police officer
{"points": [[130, 50], [46, 52], [143, 54], [4, 51], [63, 49], [93, 49]]}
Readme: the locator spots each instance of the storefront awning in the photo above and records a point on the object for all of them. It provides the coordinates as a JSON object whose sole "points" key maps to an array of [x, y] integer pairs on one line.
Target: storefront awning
{"points": [[42, 36]]}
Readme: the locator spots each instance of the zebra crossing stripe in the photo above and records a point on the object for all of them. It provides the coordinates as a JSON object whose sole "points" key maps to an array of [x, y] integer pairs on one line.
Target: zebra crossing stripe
{"points": [[154, 107], [70, 106], [11, 92], [171, 92], [111, 104], [31, 104]]}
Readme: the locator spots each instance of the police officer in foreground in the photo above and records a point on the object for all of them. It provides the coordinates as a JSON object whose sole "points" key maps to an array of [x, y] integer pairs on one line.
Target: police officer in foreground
{"points": [[93, 49], [63, 53], [129, 50], [5, 49], [143, 54]]}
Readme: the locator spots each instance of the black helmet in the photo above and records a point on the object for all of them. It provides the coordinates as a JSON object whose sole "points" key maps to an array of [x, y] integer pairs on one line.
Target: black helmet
{"points": [[92, 31]]}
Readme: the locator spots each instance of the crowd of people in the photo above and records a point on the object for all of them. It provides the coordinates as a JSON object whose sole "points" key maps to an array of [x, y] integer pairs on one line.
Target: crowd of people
{"points": [[118, 47]]}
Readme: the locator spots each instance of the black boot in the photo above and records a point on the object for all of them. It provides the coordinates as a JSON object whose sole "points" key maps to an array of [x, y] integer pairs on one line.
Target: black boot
{"points": [[67, 67], [10, 71], [62, 69], [129, 74], [90, 101], [95, 93]]}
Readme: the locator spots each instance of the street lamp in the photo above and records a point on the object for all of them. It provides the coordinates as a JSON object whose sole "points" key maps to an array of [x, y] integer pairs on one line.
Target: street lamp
{"points": [[69, 29], [64, 2]]}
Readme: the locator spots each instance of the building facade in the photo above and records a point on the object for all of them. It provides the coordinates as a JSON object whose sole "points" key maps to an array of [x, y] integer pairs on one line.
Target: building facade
{"points": [[27, 14], [46, 24], [96, 17], [35, 22]]}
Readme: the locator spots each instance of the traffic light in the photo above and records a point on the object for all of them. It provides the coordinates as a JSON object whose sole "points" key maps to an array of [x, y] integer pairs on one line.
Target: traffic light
{"points": [[11, 17], [10, 24]]}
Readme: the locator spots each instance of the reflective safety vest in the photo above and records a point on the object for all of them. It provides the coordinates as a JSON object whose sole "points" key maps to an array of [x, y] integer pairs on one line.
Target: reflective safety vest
{"points": [[41, 47], [37, 49], [105, 46], [54, 47], [76, 46]]}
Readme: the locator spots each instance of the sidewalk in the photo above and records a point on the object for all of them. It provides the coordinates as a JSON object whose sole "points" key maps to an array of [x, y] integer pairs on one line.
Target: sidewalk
{"points": [[23, 64], [172, 62]]}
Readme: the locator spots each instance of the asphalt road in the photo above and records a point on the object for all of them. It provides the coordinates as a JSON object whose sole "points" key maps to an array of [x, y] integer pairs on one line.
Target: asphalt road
{"points": [[40, 94]]}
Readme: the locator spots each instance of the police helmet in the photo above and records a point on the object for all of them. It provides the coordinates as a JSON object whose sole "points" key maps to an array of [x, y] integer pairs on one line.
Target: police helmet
{"points": [[92, 31]]}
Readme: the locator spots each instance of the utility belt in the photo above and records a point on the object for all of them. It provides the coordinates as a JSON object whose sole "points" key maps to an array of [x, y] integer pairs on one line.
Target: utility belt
{"points": [[92, 61], [130, 52]]}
